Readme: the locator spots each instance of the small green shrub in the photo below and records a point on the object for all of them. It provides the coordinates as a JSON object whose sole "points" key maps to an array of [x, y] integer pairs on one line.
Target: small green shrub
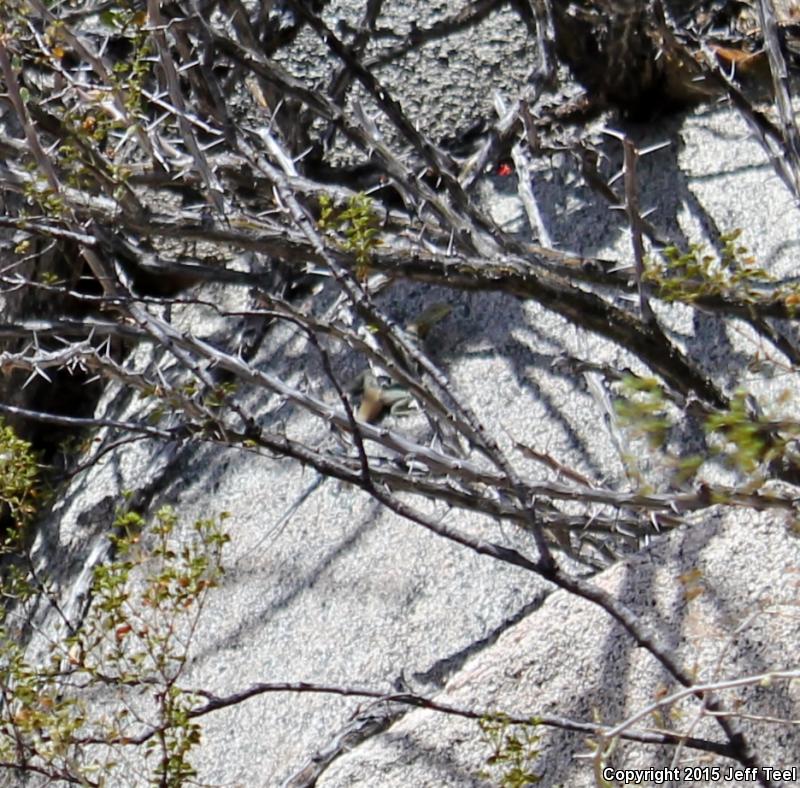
{"points": [[132, 648], [19, 486], [687, 276], [514, 748], [357, 222]]}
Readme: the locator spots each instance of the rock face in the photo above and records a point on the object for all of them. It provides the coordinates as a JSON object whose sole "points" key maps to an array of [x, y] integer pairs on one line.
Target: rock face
{"points": [[727, 615], [326, 585], [341, 593]]}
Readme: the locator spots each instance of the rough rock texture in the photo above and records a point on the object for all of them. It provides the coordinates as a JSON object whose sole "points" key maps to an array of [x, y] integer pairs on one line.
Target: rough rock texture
{"points": [[337, 591], [342, 593], [723, 594]]}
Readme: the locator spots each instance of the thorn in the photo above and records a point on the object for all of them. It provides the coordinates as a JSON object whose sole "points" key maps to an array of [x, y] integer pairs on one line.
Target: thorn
{"points": [[653, 148]]}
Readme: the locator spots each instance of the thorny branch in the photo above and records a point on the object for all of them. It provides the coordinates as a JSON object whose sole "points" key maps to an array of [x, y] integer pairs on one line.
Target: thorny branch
{"points": [[132, 189]]}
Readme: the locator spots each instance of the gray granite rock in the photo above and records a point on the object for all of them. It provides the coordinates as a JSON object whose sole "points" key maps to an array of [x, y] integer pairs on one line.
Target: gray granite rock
{"points": [[324, 586]]}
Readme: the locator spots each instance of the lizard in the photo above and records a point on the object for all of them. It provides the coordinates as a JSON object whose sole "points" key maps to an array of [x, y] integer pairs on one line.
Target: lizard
{"points": [[378, 394]]}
